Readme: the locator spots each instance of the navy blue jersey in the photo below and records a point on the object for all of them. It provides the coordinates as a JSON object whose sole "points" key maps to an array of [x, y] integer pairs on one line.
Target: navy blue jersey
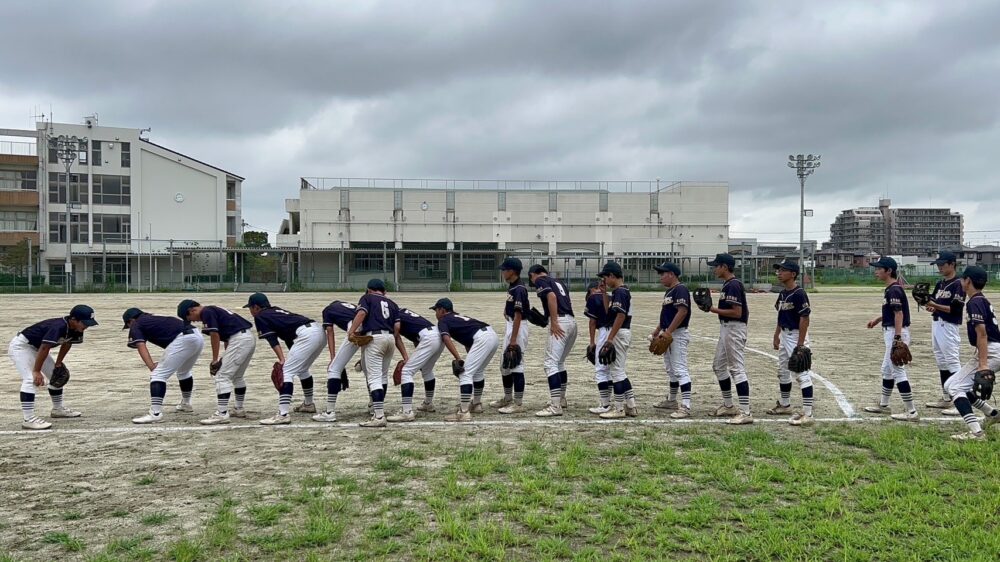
{"points": [[411, 324], [894, 299], [733, 295], [947, 293], [380, 313], [981, 312], [792, 305], [676, 298], [595, 309], [53, 332], [460, 328], [223, 321], [275, 323], [339, 314], [160, 331], [517, 301], [546, 285], [621, 303]]}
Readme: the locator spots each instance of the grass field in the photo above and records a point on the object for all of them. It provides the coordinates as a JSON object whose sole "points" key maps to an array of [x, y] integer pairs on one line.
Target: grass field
{"points": [[849, 488]]}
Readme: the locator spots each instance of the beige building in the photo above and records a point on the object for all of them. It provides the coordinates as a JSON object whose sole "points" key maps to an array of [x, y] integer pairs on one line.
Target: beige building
{"points": [[883, 230]]}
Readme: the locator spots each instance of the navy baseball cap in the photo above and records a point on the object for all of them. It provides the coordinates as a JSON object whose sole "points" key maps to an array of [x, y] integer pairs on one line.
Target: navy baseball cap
{"points": [[611, 268], [536, 269], [788, 265], [723, 259], [84, 314], [259, 299], [445, 304], [184, 307], [885, 262], [512, 264], [131, 314], [376, 285], [667, 266], [946, 257], [975, 274]]}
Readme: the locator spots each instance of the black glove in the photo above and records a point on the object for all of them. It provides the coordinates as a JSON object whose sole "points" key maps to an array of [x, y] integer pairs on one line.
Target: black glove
{"points": [[592, 354], [457, 367], [512, 356], [537, 318], [983, 384], [608, 355]]}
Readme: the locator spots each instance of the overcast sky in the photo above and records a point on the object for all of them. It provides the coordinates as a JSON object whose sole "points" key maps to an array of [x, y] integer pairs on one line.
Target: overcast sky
{"points": [[900, 98]]}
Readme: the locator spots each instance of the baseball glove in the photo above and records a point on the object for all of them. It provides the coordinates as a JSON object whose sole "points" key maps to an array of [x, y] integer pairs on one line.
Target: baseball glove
{"points": [[359, 341], [703, 298], [397, 374], [457, 367], [608, 355], [660, 344], [344, 383], [801, 359], [592, 354], [59, 378], [512, 357], [900, 354], [277, 375], [213, 368], [537, 318], [922, 293], [983, 384]]}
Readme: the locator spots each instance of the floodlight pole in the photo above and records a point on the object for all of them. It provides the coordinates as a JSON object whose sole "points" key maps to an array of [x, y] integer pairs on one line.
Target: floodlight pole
{"points": [[67, 148], [804, 166]]}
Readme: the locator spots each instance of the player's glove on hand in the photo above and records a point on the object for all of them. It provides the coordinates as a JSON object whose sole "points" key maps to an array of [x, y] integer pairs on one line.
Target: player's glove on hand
{"points": [[344, 383], [397, 374], [457, 367], [982, 385], [900, 354], [801, 360], [213, 368], [360, 341], [537, 318], [512, 356], [661, 343], [59, 378], [921, 293], [277, 375], [608, 355], [703, 298], [592, 354]]}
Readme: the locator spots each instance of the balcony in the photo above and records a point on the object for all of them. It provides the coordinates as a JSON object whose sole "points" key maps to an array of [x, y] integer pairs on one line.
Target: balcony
{"points": [[19, 198], [15, 238]]}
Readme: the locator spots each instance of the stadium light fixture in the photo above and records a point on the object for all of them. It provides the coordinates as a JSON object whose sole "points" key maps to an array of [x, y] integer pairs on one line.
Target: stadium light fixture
{"points": [[67, 149], [804, 166]]}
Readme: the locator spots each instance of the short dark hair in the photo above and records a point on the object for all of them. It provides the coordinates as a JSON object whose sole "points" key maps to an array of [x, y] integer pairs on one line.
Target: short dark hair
{"points": [[978, 284]]}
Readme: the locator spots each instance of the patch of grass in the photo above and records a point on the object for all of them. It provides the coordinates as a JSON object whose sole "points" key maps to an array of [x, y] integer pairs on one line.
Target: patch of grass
{"points": [[146, 480], [130, 548], [68, 542], [186, 550], [156, 518], [119, 512], [71, 516], [269, 514]]}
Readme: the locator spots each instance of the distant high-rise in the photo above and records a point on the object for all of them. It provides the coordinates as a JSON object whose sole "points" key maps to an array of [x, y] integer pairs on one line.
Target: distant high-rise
{"points": [[908, 232]]}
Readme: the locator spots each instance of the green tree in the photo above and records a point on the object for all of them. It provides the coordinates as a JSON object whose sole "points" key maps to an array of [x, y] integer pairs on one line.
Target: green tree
{"points": [[255, 239], [15, 259]]}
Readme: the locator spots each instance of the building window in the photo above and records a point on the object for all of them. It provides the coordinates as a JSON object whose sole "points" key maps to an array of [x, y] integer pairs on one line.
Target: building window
{"points": [[126, 153], [18, 221], [79, 228], [112, 190], [95, 153], [397, 200], [603, 202], [230, 189], [81, 157], [18, 179], [450, 201], [553, 201], [77, 188], [654, 202], [368, 262], [345, 199], [230, 226], [501, 200], [109, 271], [112, 228]]}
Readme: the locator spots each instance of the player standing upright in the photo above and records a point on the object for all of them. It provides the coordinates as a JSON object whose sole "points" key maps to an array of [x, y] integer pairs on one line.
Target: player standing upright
{"points": [[558, 310], [945, 306], [182, 344], [337, 314], [376, 317], [614, 352], [515, 312], [427, 349], [599, 327], [790, 333], [480, 342], [29, 352], [675, 317], [895, 322]]}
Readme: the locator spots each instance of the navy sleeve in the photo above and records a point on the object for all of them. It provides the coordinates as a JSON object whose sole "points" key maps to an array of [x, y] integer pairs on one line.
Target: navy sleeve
{"points": [[265, 331], [443, 326], [896, 296], [544, 286], [210, 319], [135, 335], [802, 303], [364, 304], [520, 299], [591, 309], [54, 333], [682, 297], [976, 310], [731, 294], [620, 302], [327, 317]]}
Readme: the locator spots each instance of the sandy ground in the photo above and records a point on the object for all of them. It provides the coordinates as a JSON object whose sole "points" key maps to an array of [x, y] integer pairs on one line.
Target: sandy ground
{"points": [[90, 465]]}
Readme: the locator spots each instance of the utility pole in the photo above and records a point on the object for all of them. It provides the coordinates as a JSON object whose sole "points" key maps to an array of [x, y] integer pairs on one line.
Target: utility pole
{"points": [[67, 149], [804, 166]]}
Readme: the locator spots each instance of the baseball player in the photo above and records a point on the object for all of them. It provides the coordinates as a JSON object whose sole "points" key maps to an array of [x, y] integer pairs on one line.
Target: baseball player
{"points": [[337, 314], [945, 307], [619, 307], [304, 338], [729, 365], [480, 342], [599, 327], [895, 322], [675, 316], [427, 349], [558, 310], [515, 310], [984, 336], [376, 317], [181, 343], [790, 332], [30, 350], [233, 332]]}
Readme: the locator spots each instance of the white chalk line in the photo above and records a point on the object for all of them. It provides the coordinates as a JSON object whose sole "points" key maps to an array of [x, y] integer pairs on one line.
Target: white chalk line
{"points": [[317, 426]]}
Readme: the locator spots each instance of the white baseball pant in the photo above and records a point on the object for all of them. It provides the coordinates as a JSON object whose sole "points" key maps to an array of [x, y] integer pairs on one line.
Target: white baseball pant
{"points": [[236, 359], [946, 341], [424, 357], [23, 355], [342, 357], [787, 341], [621, 342], [308, 344], [378, 360], [522, 341], [961, 383], [890, 371], [729, 353], [559, 349], [179, 357], [602, 373], [675, 360], [484, 346]]}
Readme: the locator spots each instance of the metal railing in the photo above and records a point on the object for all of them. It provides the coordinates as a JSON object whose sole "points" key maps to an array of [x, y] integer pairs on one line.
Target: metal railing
{"points": [[17, 148], [620, 186]]}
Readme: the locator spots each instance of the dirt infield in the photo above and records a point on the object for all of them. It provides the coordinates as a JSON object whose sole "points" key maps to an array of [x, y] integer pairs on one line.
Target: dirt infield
{"points": [[90, 469]]}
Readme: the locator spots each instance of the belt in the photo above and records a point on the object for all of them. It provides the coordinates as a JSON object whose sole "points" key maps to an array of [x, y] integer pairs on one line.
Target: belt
{"points": [[789, 329], [187, 331], [565, 316], [483, 329], [376, 332]]}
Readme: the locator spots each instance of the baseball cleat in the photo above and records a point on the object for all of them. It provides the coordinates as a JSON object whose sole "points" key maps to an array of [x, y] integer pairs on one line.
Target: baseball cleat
{"points": [[216, 419], [942, 404], [801, 419], [681, 413], [184, 408], [740, 419], [325, 417], [459, 416], [970, 436], [600, 409], [632, 411], [950, 412], [237, 412], [505, 401], [476, 408], [277, 419], [780, 409], [426, 407], [512, 409], [371, 408], [613, 414], [374, 422], [35, 423], [878, 409], [549, 411], [64, 413], [305, 408], [907, 416], [563, 403], [666, 405], [401, 416], [992, 419], [149, 418], [724, 411]]}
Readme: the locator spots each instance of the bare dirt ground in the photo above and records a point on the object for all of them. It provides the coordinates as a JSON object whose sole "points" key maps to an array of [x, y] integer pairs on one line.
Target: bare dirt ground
{"points": [[97, 474]]}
